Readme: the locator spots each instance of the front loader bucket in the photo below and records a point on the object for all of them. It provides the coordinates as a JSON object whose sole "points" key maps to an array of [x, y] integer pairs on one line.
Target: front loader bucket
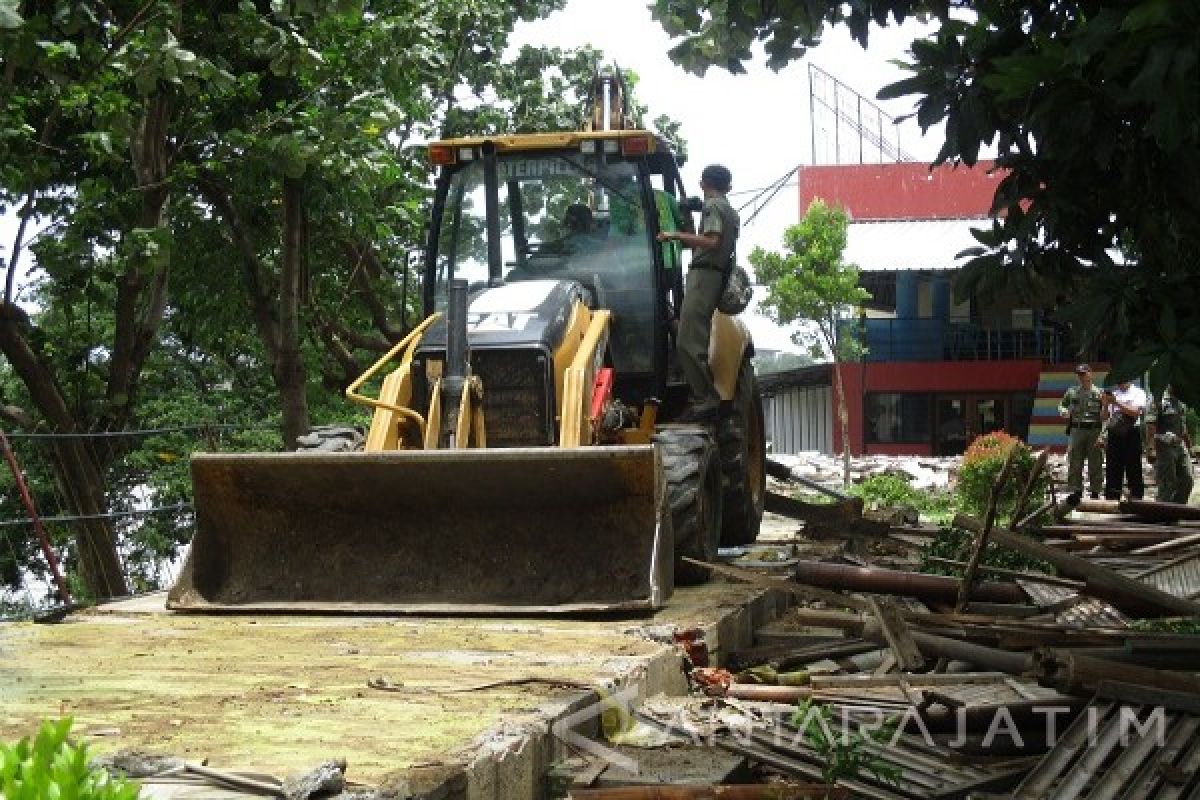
{"points": [[504, 530]]}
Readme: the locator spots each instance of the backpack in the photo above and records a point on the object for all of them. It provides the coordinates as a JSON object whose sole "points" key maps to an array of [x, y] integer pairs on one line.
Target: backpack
{"points": [[736, 290]]}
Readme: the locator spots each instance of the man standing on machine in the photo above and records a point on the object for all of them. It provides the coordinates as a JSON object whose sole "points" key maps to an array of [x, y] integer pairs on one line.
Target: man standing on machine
{"points": [[712, 260]]}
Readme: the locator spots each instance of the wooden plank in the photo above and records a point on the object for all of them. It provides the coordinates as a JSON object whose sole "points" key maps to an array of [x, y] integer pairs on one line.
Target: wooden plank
{"points": [[1147, 696], [1174, 544], [899, 638], [1125, 593], [981, 540], [926, 679], [806, 592], [887, 664]]}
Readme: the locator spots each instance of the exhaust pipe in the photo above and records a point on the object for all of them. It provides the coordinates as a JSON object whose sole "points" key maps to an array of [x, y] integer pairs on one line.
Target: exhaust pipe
{"points": [[455, 375]]}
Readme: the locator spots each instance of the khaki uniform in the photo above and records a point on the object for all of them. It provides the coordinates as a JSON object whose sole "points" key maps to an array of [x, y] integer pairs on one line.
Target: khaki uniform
{"points": [[1172, 463], [1083, 409], [705, 281]]}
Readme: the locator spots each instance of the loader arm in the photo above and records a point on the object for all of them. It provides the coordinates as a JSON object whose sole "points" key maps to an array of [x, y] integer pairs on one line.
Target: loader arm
{"points": [[578, 380]]}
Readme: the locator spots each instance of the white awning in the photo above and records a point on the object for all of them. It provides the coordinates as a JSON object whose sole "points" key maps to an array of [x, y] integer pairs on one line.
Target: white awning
{"points": [[910, 245]]}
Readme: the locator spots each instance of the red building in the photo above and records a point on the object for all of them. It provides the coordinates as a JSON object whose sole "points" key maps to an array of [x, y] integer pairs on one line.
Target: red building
{"points": [[937, 372]]}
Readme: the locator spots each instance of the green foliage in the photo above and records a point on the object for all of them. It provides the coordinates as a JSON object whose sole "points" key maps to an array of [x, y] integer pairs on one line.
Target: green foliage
{"points": [[893, 491], [50, 768], [981, 467], [810, 280], [887, 491], [956, 545], [1028, 79], [848, 753], [122, 125], [1185, 625]]}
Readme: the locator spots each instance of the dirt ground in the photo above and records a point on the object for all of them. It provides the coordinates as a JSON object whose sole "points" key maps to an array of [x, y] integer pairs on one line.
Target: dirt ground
{"points": [[280, 694]]}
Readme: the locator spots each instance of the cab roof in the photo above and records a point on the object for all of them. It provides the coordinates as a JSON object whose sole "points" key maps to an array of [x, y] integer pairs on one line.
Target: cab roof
{"points": [[551, 141]]}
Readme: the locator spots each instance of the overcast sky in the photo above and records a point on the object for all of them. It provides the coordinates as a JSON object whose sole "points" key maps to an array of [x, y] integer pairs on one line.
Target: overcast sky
{"points": [[757, 124]]}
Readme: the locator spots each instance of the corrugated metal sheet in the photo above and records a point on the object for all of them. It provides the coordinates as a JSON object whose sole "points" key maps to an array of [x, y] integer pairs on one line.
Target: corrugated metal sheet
{"points": [[904, 246], [925, 771], [799, 419], [1144, 747], [990, 690], [1180, 577], [1083, 612]]}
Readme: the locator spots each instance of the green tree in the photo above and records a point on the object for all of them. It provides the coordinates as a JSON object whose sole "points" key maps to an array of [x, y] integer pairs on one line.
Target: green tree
{"points": [[811, 282], [85, 139], [1094, 108], [216, 195]]}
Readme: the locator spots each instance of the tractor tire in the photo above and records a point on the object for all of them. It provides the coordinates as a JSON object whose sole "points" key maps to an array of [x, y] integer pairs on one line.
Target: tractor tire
{"points": [[331, 439], [692, 473], [743, 447]]}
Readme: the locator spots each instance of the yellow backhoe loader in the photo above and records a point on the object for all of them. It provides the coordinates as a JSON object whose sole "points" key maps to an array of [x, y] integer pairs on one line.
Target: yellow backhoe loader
{"points": [[521, 455]]}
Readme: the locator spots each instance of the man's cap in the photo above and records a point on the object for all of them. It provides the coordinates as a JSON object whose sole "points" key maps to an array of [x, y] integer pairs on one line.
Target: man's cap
{"points": [[718, 177], [1082, 368]]}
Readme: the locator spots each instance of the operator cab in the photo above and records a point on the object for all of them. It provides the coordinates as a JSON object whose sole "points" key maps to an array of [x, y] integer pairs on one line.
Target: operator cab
{"points": [[582, 207]]}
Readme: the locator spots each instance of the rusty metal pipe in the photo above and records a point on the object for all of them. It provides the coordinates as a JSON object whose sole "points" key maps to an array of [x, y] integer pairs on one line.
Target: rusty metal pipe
{"points": [[935, 588], [31, 508]]}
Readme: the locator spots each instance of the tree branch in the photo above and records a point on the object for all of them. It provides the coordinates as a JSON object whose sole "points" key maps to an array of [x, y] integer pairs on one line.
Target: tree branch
{"points": [[253, 273], [362, 341], [19, 417], [31, 367], [363, 255]]}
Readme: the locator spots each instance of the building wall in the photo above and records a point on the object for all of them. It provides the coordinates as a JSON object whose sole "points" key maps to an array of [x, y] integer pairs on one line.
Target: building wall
{"points": [[799, 419], [902, 191], [1004, 378]]}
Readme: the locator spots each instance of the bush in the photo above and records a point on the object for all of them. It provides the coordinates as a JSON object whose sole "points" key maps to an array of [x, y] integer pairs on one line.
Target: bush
{"points": [[892, 491], [51, 767], [980, 467], [887, 491]]}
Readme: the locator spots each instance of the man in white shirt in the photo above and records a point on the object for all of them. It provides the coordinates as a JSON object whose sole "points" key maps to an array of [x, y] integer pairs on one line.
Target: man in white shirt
{"points": [[1123, 434]]}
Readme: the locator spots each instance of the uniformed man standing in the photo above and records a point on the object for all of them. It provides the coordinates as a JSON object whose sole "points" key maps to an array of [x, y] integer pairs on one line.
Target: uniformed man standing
{"points": [[712, 251], [1170, 448], [1082, 407]]}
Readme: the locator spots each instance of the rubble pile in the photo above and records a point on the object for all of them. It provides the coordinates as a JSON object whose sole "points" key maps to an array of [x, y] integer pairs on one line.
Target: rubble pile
{"points": [[1075, 678], [921, 471]]}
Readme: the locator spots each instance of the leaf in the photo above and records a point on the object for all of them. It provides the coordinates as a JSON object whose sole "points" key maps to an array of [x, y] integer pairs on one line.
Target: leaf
{"points": [[1147, 14], [10, 17]]}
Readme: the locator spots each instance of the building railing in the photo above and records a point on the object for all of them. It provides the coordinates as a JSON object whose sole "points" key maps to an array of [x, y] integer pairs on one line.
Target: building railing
{"points": [[948, 340]]}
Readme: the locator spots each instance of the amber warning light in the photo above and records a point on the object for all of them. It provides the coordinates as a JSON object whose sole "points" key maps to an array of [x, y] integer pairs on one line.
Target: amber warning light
{"points": [[635, 146], [441, 155]]}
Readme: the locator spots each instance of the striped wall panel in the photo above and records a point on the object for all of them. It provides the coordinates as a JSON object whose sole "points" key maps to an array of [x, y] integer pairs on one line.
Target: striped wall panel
{"points": [[799, 419]]}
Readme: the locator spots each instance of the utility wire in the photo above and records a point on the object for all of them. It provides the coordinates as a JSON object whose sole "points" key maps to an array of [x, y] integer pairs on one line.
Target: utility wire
{"points": [[137, 512], [774, 190], [141, 432]]}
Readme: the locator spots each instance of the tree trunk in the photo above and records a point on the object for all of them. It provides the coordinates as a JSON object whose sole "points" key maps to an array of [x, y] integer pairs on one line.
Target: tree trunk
{"points": [[843, 419], [77, 471], [277, 319], [289, 368]]}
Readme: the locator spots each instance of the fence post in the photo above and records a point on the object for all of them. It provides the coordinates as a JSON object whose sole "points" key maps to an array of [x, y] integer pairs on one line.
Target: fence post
{"points": [[27, 500]]}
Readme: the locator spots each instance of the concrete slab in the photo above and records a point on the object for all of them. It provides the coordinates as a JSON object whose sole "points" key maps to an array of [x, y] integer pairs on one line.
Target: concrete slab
{"points": [[276, 695]]}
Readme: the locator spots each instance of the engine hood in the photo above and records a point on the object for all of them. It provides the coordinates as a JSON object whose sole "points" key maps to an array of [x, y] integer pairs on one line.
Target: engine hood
{"points": [[520, 314]]}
